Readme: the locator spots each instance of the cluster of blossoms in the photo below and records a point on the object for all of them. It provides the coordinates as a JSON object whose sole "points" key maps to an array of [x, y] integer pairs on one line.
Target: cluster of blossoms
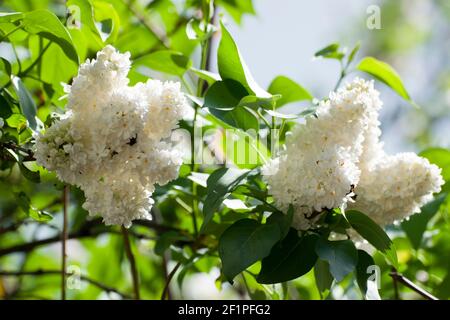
{"points": [[337, 160], [113, 140]]}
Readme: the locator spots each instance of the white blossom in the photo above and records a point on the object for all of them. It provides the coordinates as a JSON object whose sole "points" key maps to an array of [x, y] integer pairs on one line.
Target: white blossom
{"points": [[113, 140], [337, 160], [395, 187], [319, 168]]}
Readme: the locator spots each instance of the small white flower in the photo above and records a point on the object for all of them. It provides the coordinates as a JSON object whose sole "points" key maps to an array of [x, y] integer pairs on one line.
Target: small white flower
{"points": [[337, 157], [110, 142], [395, 187]]}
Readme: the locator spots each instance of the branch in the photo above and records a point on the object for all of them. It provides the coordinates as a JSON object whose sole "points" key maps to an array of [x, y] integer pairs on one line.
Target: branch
{"points": [[394, 280], [29, 155], [169, 278], [181, 23], [40, 272], [27, 247], [87, 231], [130, 256], [162, 38], [408, 283], [64, 236]]}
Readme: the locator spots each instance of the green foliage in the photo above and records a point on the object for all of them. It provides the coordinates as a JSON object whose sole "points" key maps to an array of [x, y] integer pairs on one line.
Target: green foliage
{"points": [[322, 275], [330, 52], [341, 256], [244, 243], [385, 73], [291, 258], [219, 186], [212, 216], [373, 233], [416, 225], [362, 275], [167, 61], [232, 66], [289, 90], [26, 102]]}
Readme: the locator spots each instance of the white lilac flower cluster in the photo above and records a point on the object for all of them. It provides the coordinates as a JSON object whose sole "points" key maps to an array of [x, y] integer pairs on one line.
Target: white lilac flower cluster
{"points": [[336, 160], [113, 140]]}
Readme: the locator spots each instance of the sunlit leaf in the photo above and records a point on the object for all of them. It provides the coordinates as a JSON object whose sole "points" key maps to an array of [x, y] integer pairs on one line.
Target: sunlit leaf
{"points": [[244, 243], [385, 73]]}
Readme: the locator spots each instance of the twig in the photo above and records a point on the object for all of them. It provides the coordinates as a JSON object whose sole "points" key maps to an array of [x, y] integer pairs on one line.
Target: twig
{"points": [[130, 256], [58, 272], [169, 279], [408, 283], [166, 275], [29, 155], [162, 38], [201, 88], [394, 280], [85, 232], [5, 36], [180, 24], [38, 59], [64, 236]]}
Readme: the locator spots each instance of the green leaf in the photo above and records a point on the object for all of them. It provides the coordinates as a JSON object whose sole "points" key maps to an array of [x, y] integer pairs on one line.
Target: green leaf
{"points": [[330, 52], [289, 259], [224, 95], [364, 262], [373, 233], [195, 30], [255, 102], [86, 12], [18, 121], [239, 147], [27, 105], [40, 216], [417, 224], [82, 28], [353, 53], [33, 176], [290, 91], [322, 275], [23, 201], [6, 66], [166, 61], [341, 255], [232, 66], [385, 73], [443, 289], [244, 243], [199, 178], [51, 71], [25, 204], [280, 115], [5, 108], [283, 221], [47, 25], [166, 240], [219, 186], [439, 157], [208, 76], [222, 100], [106, 14], [369, 230], [240, 117], [237, 8], [9, 17]]}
